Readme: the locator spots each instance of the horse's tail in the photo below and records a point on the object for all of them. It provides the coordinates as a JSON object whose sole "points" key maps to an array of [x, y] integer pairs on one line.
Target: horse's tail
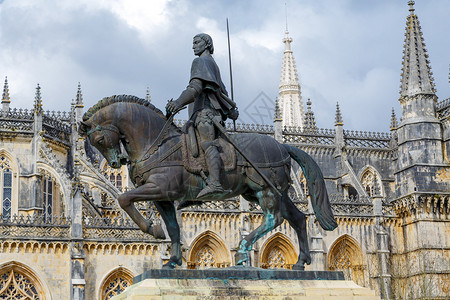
{"points": [[316, 187]]}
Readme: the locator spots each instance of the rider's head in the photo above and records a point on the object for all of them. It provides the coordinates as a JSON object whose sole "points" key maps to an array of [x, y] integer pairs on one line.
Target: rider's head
{"points": [[208, 40]]}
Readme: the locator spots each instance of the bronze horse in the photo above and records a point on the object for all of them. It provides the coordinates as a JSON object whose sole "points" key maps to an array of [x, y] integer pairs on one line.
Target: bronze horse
{"points": [[157, 171]]}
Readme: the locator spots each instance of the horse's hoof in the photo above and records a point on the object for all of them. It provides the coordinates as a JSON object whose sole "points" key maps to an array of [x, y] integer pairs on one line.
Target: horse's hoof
{"points": [[240, 258], [299, 267], [172, 263]]}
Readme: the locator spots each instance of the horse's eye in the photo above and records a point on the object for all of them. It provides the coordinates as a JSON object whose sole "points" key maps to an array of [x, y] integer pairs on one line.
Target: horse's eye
{"points": [[100, 140]]}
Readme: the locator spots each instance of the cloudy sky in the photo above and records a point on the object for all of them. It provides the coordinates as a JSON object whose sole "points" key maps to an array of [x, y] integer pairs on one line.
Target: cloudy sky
{"points": [[348, 51]]}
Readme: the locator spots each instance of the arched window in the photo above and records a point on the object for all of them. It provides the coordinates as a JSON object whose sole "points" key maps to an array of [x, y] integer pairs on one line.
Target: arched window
{"points": [[278, 253], [18, 282], [208, 251], [369, 179], [346, 256], [115, 283], [47, 201], [116, 176], [5, 187]]}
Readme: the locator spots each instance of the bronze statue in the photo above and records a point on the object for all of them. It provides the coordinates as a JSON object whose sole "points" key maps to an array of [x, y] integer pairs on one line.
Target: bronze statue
{"points": [[160, 156], [209, 102]]}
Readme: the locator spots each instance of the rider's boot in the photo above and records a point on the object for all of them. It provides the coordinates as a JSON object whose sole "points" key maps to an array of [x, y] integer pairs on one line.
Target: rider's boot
{"points": [[214, 164], [213, 188]]}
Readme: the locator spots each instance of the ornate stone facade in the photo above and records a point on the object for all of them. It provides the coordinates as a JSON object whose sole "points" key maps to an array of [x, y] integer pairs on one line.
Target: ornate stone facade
{"points": [[63, 235]]}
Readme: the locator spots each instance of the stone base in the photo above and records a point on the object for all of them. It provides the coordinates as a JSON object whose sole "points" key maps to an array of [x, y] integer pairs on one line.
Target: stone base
{"points": [[195, 284]]}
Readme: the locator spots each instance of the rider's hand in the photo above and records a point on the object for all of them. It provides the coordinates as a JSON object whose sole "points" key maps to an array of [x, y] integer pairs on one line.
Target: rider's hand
{"points": [[233, 114], [172, 106]]}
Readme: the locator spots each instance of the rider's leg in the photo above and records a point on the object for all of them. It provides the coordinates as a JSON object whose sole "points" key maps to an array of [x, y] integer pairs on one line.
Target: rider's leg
{"points": [[209, 143]]}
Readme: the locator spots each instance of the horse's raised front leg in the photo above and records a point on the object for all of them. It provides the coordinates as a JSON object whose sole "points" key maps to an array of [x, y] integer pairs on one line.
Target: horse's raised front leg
{"points": [[168, 214], [146, 192], [272, 219], [297, 220]]}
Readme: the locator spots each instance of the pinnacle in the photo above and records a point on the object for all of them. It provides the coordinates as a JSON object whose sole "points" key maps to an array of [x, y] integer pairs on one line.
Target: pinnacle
{"points": [[394, 122], [38, 100], [416, 71], [147, 95], [79, 98], [5, 96], [338, 120], [310, 121], [277, 110], [290, 99]]}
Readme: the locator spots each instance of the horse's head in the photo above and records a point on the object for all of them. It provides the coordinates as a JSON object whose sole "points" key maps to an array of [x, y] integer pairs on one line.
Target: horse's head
{"points": [[122, 118], [106, 138]]}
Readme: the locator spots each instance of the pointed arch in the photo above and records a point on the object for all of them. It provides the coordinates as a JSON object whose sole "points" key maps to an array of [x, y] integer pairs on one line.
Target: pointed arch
{"points": [[9, 184], [17, 280], [115, 282], [53, 183], [208, 250], [367, 176], [346, 255], [278, 252]]}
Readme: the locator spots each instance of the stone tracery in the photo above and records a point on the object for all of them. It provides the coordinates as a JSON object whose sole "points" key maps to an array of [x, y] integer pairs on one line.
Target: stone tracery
{"points": [[346, 255]]}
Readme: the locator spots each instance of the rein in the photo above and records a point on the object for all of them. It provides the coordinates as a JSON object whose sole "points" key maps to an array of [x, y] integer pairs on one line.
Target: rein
{"points": [[141, 170], [159, 139], [100, 128]]}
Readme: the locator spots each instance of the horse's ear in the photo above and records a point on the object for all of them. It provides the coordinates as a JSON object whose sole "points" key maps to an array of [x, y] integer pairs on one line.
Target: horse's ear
{"points": [[83, 128]]}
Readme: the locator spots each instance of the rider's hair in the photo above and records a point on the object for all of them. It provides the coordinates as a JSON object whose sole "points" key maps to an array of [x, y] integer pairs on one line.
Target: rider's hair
{"points": [[209, 42]]}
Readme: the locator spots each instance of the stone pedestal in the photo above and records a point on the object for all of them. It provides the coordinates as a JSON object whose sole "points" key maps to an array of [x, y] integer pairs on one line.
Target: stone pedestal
{"points": [[243, 283]]}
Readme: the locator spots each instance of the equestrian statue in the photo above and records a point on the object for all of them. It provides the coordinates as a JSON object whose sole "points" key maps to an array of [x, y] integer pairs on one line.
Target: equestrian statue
{"points": [[202, 161]]}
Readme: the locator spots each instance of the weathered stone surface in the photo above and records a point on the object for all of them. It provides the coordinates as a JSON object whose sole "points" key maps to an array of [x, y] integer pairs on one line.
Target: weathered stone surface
{"points": [[239, 273], [245, 289]]}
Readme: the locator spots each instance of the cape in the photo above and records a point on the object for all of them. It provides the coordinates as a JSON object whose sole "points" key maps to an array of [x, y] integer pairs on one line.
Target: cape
{"points": [[206, 69]]}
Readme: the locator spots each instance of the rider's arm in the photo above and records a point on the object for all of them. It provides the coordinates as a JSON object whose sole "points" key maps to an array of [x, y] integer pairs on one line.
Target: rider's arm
{"points": [[194, 89]]}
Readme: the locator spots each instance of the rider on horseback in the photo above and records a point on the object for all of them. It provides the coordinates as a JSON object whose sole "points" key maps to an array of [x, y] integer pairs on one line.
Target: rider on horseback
{"points": [[208, 100]]}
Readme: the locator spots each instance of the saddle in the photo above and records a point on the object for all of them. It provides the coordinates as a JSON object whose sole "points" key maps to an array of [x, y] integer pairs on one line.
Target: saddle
{"points": [[194, 158]]}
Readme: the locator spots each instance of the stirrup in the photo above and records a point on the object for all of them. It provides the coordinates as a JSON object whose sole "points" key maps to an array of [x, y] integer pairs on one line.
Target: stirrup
{"points": [[211, 190]]}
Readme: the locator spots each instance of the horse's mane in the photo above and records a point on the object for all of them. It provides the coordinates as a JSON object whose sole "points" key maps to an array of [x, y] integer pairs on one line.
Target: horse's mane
{"points": [[120, 98]]}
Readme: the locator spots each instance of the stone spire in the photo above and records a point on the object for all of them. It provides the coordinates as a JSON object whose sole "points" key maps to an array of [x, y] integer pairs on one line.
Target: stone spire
{"points": [[79, 98], [277, 116], [290, 98], [38, 100], [394, 122], [338, 120], [147, 95], [310, 120], [5, 96], [416, 71]]}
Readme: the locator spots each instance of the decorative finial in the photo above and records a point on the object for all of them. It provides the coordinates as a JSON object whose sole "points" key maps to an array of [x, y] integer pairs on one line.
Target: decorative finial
{"points": [[79, 98], [38, 100], [5, 96], [277, 111], [310, 120], [147, 95], [411, 6], [339, 120], [394, 122]]}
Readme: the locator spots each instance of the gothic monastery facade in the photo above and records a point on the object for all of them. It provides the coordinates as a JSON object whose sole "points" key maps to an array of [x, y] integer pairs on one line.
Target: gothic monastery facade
{"points": [[63, 235]]}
